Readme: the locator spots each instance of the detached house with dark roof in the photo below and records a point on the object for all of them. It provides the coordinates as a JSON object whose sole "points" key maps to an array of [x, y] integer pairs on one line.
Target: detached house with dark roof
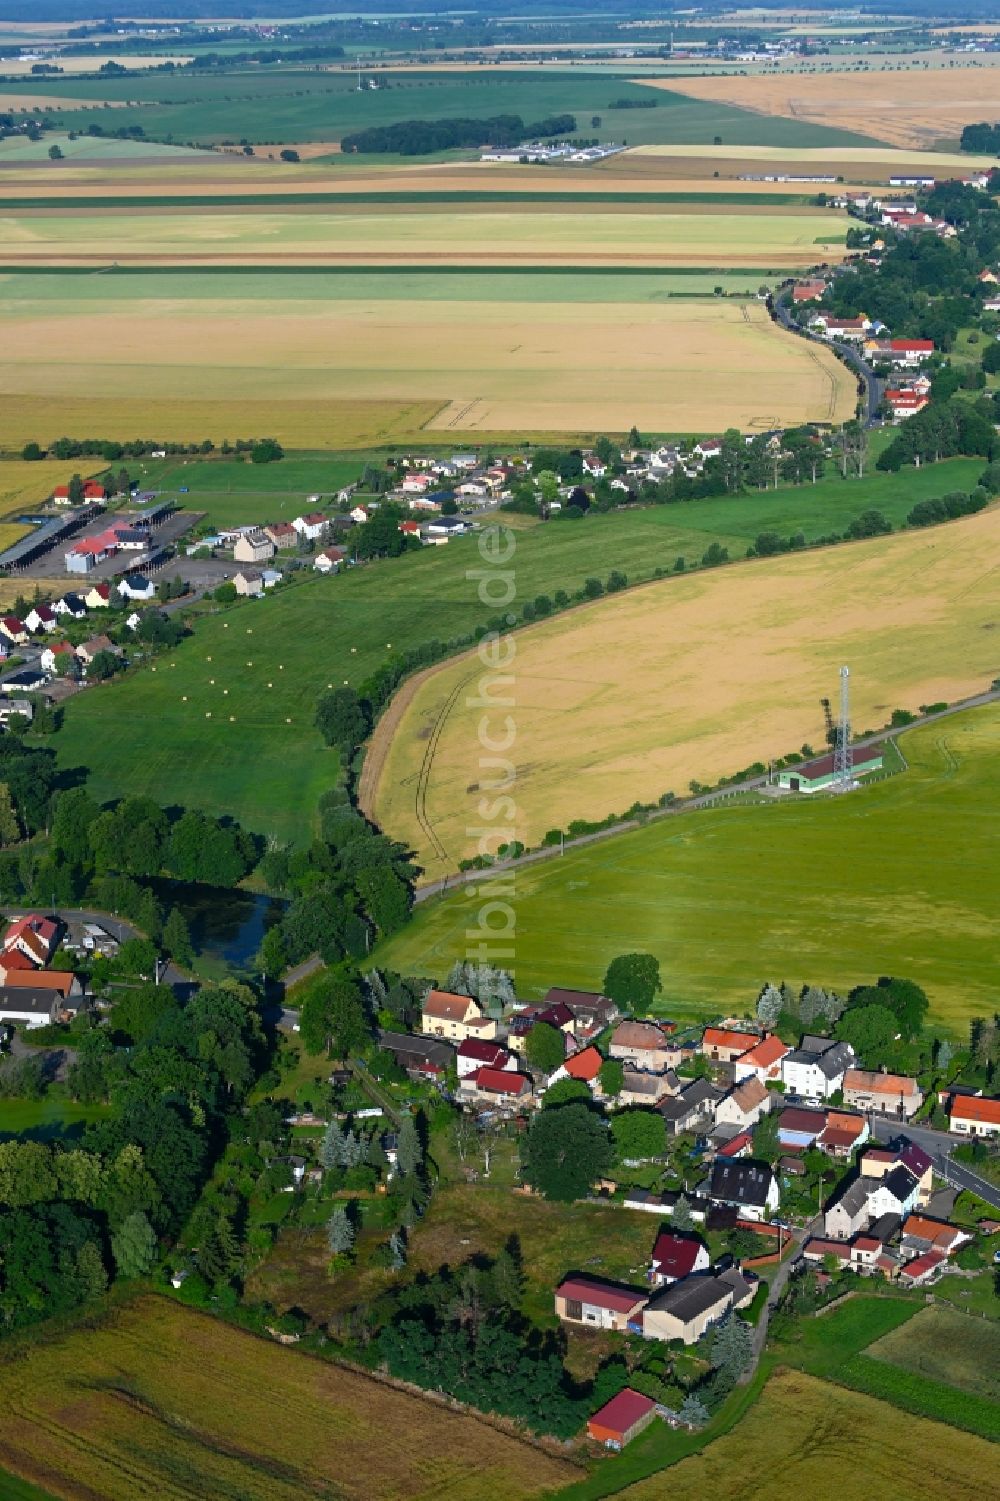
{"points": [[815, 1070], [746, 1184]]}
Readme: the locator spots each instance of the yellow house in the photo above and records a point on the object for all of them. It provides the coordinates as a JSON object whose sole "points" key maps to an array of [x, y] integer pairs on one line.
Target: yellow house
{"points": [[455, 1016]]}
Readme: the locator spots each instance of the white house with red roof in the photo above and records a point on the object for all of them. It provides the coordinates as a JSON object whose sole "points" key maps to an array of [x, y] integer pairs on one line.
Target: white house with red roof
{"points": [[311, 527], [762, 1062], [34, 936], [974, 1115], [584, 1065], [475, 1053], [15, 630], [676, 1256], [41, 618]]}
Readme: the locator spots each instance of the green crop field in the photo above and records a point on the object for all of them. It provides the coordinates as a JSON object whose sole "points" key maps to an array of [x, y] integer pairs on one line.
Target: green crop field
{"points": [[149, 732], [231, 493], [320, 106], [899, 878]]}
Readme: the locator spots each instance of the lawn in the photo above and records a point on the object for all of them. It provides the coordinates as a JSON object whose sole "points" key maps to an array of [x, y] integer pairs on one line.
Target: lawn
{"points": [[731, 897], [52, 1116], [150, 732], [806, 1437], [159, 1400], [692, 679], [957, 1349], [297, 106], [231, 492]]}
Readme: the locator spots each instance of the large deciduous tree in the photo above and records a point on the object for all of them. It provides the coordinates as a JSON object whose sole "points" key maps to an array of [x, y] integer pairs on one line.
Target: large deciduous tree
{"points": [[565, 1151], [632, 980]]}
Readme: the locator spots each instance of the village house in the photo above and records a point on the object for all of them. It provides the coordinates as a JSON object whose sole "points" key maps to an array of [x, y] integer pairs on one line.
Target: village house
{"points": [[584, 1066], [889, 1094], [59, 982], [923, 1269], [596, 1304], [9, 707], [497, 1087], [311, 527], [808, 291], [843, 1133], [136, 586], [359, 514], [975, 1116], [591, 1011], [762, 1062], [475, 1053], [685, 1309], [676, 1255], [92, 490], [692, 1109], [41, 618], [33, 935], [622, 1419], [98, 597], [249, 582], [878, 1161], [59, 651], [71, 605], [721, 1045], [744, 1105], [253, 547], [922, 1234], [645, 1045], [283, 535], [641, 1088], [849, 1213], [330, 560], [15, 630], [39, 1005], [749, 1186], [455, 1016], [421, 1057], [896, 1193], [816, 1068], [88, 650]]}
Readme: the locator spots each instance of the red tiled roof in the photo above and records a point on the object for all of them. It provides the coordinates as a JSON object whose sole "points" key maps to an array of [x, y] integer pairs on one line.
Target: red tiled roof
{"points": [[737, 1145], [446, 1006], [720, 1037], [16, 959], [921, 346], [60, 980], [600, 1294], [585, 1065], [622, 1412], [923, 1265], [976, 1108], [866, 1243], [498, 1081], [770, 1051]]}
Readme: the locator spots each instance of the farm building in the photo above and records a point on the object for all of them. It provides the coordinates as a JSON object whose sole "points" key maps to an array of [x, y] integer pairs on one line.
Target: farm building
{"points": [[598, 1304], [819, 775], [621, 1419]]}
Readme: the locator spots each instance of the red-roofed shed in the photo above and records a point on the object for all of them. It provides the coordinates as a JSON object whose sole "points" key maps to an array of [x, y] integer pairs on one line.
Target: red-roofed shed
{"points": [[621, 1419]]}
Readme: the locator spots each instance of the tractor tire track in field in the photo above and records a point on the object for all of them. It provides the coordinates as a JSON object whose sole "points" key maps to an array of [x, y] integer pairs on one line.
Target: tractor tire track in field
{"points": [[423, 779]]}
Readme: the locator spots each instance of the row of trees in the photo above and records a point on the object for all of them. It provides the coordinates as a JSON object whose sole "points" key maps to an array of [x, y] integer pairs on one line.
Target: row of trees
{"points": [[420, 137]]}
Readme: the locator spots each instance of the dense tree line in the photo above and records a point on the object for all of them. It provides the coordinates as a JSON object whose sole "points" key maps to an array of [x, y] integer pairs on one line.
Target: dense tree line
{"points": [[111, 450], [420, 137], [74, 1216], [941, 431]]}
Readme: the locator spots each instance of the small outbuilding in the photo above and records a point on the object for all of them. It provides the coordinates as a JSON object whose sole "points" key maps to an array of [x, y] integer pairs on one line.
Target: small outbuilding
{"points": [[619, 1421]]}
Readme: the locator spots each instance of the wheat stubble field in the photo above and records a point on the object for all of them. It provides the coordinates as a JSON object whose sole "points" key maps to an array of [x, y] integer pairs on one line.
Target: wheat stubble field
{"points": [[695, 677], [485, 354]]}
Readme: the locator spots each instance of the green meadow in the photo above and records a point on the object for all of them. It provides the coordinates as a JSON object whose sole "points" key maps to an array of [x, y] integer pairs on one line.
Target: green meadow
{"points": [[897, 878], [225, 721], [290, 106]]}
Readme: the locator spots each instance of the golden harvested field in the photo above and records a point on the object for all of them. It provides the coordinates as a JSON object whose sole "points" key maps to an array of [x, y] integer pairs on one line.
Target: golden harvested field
{"points": [[497, 366], [21, 67], [24, 487], [809, 1438], [158, 1400], [686, 236], [914, 108], [695, 677]]}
